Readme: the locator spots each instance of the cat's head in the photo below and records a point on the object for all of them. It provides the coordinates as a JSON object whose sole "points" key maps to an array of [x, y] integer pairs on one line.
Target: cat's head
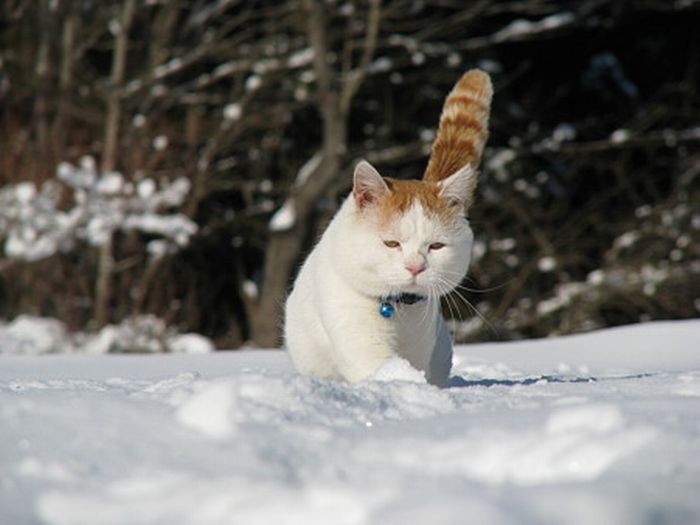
{"points": [[409, 236], [412, 236]]}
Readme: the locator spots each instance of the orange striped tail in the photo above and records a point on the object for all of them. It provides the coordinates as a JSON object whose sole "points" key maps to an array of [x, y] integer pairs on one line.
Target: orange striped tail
{"points": [[463, 127]]}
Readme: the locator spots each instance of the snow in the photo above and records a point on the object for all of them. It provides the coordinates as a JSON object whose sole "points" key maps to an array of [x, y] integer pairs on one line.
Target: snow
{"points": [[307, 76], [253, 82], [114, 27], [308, 169], [453, 59], [301, 58], [546, 264], [110, 184], [226, 69], [564, 294], [266, 66], [160, 142], [498, 162], [523, 28], [178, 227], [284, 218], [563, 132], [504, 245], [418, 58], [139, 120], [620, 136], [627, 239], [397, 369], [251, 289], [595, 428], [146, 188], [191, 343], [210, 410], [30, 335], [169, 67], [380, 65], [427, 134], [34, 225], [233, 111]]}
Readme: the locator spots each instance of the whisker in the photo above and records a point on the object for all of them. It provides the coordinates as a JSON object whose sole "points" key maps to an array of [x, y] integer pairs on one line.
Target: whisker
{"points": [[444, 288], [455, 314], [481, 316], [470, 278], [484, 290]]}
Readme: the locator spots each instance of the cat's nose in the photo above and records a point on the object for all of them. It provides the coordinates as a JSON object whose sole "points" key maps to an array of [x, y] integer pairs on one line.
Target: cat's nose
{"points": [[415, 269]]}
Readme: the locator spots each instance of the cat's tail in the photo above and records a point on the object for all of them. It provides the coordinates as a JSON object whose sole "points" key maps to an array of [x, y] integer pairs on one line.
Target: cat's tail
{"points": [[463, 127]]}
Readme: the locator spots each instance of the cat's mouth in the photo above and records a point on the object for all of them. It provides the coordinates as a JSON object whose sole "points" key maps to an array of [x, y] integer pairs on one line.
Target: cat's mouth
{"points": [[420, 284], [413, 287]]}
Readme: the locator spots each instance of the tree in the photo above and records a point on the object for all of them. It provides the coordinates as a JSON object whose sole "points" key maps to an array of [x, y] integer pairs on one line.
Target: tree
{"points": [[265, 106], [336, 86]]}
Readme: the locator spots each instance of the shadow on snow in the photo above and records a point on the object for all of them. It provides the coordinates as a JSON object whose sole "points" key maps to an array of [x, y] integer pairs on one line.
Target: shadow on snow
{"points": [[461, 382]]}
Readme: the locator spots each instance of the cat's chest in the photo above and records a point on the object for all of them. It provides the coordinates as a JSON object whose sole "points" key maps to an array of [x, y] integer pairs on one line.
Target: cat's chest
{"points": [[416, 329], [414, 324]]}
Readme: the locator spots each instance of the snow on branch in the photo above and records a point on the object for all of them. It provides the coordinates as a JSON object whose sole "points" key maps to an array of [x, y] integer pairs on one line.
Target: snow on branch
{"points": [[34, 225], [519, 29], [284, 218]]}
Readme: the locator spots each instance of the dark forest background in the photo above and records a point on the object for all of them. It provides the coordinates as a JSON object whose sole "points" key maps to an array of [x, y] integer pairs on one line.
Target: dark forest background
{"points": [[148, 146]]}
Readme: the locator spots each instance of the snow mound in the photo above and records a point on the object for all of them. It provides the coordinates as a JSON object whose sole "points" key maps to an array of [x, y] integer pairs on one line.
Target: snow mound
{"points": [[211, 410], [572, 445], [397, 369]]}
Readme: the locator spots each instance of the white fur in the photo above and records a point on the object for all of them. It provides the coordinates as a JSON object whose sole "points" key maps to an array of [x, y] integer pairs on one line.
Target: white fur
{"points": [[459, 185], [332, 324]]}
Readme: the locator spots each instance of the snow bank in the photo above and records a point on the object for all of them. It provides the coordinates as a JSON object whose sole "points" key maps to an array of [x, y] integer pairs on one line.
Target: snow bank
{"points": [[600, 428], [141, 334], [32, 335]]}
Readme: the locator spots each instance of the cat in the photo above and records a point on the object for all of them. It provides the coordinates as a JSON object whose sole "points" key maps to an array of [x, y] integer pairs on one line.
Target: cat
{"points": [[370, 289]]}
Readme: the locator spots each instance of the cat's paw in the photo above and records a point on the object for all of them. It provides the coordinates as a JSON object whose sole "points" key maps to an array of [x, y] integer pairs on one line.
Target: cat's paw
{"points": [[398, 369]]}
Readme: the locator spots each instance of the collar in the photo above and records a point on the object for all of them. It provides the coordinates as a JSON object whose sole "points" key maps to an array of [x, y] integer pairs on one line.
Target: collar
{"points": [[387, 304], [405, 298]]}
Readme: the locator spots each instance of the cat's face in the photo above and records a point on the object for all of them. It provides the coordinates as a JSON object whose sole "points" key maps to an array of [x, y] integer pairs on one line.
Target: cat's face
{"points": [[411, 236], [421, 251]]}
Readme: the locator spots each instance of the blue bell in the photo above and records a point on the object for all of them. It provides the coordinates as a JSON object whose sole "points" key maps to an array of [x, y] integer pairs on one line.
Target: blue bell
{"points": [[386, 310]]}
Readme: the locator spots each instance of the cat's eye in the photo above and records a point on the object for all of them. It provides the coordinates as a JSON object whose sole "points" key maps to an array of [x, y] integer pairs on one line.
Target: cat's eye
{"points": [[392, 244], [437, 246]]}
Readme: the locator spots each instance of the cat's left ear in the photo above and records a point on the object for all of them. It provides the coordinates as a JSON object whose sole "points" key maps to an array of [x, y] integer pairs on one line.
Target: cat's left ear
{"points": [[458, 188], [368, 184]]}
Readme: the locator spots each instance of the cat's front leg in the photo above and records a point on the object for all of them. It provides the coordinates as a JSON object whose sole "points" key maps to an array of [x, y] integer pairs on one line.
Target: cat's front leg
{"points": [[362, 341]]}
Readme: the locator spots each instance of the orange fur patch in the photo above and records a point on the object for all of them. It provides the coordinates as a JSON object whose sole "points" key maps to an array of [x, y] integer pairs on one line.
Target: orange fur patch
{"points": [[403, 194]]}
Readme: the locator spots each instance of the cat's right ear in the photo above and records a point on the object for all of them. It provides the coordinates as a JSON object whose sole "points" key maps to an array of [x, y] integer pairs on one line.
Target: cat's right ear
{"points": [[368, 185], [458, 188]]}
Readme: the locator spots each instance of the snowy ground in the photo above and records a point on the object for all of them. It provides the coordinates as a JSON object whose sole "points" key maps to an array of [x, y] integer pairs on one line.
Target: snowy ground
{"points": [[601, 428]]}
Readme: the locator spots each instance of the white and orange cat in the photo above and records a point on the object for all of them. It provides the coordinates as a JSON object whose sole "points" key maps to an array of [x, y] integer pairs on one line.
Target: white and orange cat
{"points": [[370, 289]]}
